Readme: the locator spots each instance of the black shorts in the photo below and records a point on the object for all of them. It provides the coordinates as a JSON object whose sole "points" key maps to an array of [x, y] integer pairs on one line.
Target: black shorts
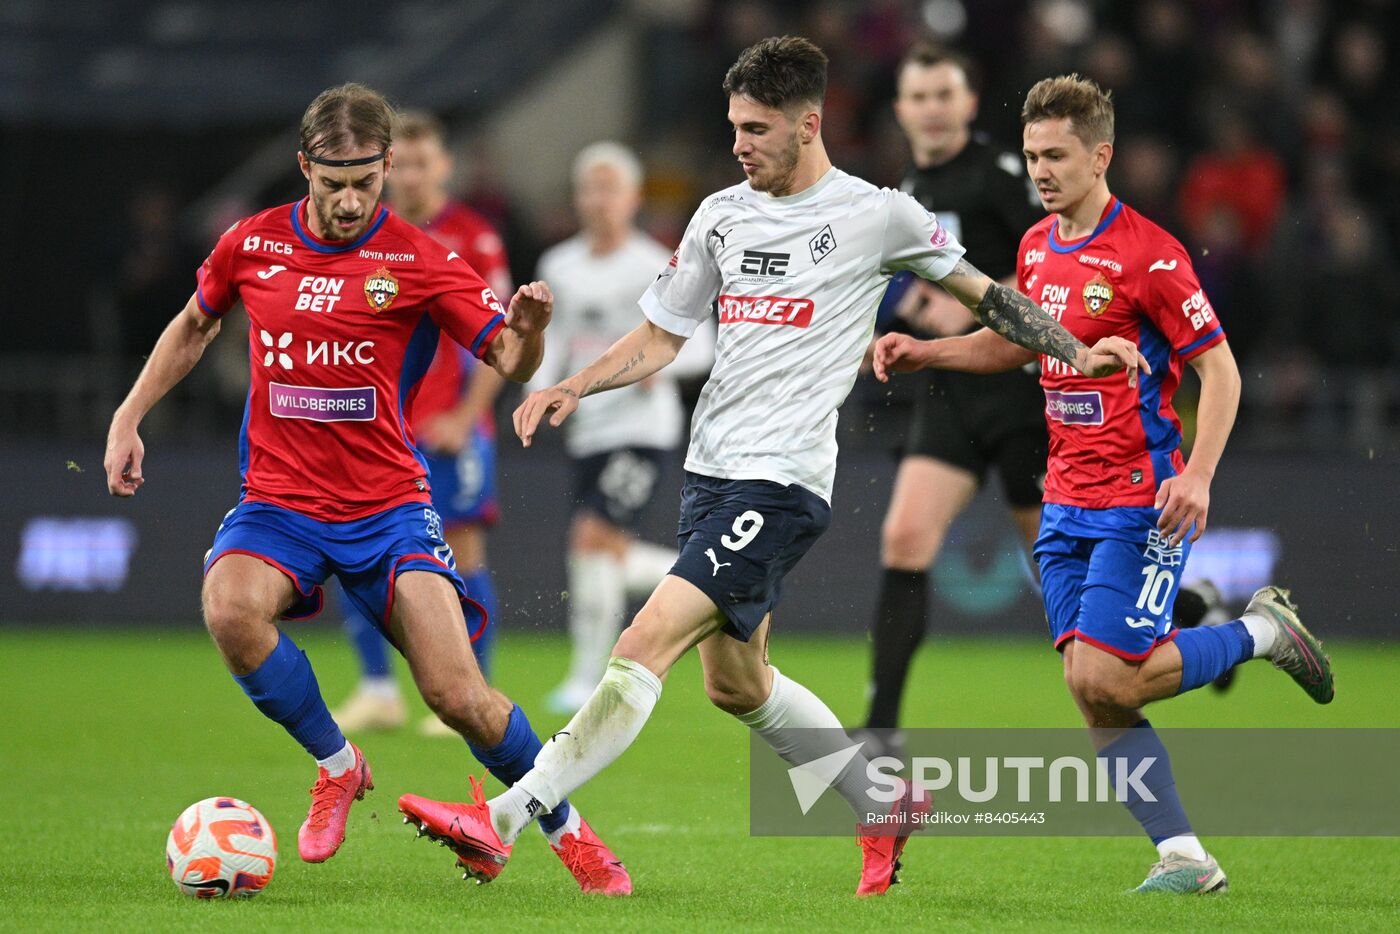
{"points": [[617, 485], [976, 421], [738, 538]]}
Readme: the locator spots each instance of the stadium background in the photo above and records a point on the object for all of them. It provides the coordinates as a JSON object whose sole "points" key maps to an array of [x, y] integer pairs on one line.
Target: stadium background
{"points": [[1264, 134]]}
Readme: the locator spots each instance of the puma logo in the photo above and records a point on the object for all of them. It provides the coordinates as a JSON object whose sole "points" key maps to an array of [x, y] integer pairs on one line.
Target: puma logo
{"points": [[270, 271], [714, 232], [710, 553], [1163, 265]]}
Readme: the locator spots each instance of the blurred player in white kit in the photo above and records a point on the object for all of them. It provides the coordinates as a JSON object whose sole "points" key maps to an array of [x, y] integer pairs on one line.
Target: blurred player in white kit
{"points": [[617, 442]]}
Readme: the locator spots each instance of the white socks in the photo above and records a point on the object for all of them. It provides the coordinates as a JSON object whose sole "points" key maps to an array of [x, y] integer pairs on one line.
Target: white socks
{"points": [[1262, 631], [572, 823], [340, 763], [800, 728], [380, 688], [597, 600], [1188, 845], [601, 731], [599, 587], [643, 566]]}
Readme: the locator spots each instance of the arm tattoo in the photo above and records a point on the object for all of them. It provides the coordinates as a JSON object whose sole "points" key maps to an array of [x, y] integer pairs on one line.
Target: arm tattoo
{"points": [[610, 381], [1020, 320]]}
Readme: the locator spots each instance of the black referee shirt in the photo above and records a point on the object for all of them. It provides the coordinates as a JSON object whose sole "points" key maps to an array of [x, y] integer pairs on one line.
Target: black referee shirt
{"points": [[983, 197]]}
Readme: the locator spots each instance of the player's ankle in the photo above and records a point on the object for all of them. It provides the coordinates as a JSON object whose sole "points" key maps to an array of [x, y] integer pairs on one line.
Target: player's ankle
{"points": [[1188, 845], [512, 811], [380, 687]]}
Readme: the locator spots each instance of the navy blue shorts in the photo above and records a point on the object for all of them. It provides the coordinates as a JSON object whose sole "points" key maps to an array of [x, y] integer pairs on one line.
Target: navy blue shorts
{"points": [[464, 484], [367, 554], [738, 538], [1109, 578], [618, 485]]}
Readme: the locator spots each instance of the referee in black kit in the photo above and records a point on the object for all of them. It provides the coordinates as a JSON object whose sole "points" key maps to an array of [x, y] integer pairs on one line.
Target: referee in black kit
{"points": [[962, 424]]}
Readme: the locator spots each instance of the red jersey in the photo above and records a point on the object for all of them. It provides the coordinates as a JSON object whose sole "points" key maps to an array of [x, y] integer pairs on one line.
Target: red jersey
{"points": [[339, 334], [466, 233], [1111, 445]]}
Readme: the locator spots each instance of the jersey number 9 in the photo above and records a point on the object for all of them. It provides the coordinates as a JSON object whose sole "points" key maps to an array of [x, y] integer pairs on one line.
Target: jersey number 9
{"points": [[746, 526]]}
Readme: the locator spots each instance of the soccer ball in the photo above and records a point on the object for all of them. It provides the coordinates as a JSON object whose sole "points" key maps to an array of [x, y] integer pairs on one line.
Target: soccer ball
{"points": [[221, 848]]}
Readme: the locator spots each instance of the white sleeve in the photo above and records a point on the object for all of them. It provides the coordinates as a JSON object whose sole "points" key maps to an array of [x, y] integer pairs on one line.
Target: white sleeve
{"points": [[914, 240], [697, 357], [682, 294]]}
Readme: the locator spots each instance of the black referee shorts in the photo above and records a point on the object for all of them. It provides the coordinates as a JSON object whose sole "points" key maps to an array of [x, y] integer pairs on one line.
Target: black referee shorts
{"points": [[977, 421]]}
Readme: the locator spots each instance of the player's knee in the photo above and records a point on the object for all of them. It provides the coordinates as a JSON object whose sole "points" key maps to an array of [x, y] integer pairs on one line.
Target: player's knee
{"points": [[733, 693], [591, 534], [651, 639], [907, 546], [452, 704], [229, 615], [1097, 690]]}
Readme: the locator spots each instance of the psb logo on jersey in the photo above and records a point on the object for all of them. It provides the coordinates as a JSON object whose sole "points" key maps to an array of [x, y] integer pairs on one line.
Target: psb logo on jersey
{"points": [[1098, 292], [822, 244], [381, 288], [255, 244]]}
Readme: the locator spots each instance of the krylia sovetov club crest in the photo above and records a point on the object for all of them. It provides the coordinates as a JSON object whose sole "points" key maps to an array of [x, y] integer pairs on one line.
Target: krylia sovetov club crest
{"points": [[381, 288], [1098, 292]]}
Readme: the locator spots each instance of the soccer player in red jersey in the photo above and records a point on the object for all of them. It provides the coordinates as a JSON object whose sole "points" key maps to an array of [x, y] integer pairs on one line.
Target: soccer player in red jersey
{"points": [[451, 420], [1122, 506], [346, 302]]}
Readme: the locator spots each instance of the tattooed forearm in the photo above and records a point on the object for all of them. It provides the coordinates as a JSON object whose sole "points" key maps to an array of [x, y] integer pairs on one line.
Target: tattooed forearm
{"points": [[610, 381], [1020, 320]]}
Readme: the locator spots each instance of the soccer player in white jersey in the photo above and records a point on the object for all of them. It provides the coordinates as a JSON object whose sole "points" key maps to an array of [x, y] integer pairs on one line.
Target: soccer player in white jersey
{"points": [[618, 442], [797, 257]]}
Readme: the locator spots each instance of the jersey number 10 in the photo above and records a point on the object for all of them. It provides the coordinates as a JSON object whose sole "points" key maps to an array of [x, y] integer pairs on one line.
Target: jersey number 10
{"points": [[1155, 589]]}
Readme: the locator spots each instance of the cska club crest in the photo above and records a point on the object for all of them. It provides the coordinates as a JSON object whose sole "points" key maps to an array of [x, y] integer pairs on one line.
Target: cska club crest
{"points": [[381, 288], [1098, 292]]}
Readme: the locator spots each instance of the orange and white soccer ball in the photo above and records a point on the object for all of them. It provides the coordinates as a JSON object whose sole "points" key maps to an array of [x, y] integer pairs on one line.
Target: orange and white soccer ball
{"points": [[221, 848]]}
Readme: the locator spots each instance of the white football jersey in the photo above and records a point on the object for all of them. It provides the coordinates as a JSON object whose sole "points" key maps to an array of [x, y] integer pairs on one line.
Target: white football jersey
{"points": [[595, 304], [798, 280]]}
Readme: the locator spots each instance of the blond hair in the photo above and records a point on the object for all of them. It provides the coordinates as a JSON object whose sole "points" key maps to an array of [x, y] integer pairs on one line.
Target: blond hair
{"points": [[1088, 107], [419, 124], [611, 154]]}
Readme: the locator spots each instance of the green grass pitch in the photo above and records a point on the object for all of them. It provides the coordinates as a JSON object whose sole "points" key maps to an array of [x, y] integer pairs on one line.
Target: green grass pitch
{"points": [[108, 735]]}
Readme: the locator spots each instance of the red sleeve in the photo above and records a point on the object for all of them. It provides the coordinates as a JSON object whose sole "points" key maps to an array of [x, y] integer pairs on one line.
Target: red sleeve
{"points": [[464, 306], [486, 253], [215, 288], [1175, 302]]}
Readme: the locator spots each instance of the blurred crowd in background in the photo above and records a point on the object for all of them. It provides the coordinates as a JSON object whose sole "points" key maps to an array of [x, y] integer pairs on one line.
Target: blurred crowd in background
{"points": [[1265, 135]]}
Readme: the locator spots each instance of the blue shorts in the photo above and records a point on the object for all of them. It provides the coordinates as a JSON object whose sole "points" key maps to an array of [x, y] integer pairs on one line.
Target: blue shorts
{"points": [[1108, 577], [738, 538], [618, 485], [464, 484], [365, 554]]}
